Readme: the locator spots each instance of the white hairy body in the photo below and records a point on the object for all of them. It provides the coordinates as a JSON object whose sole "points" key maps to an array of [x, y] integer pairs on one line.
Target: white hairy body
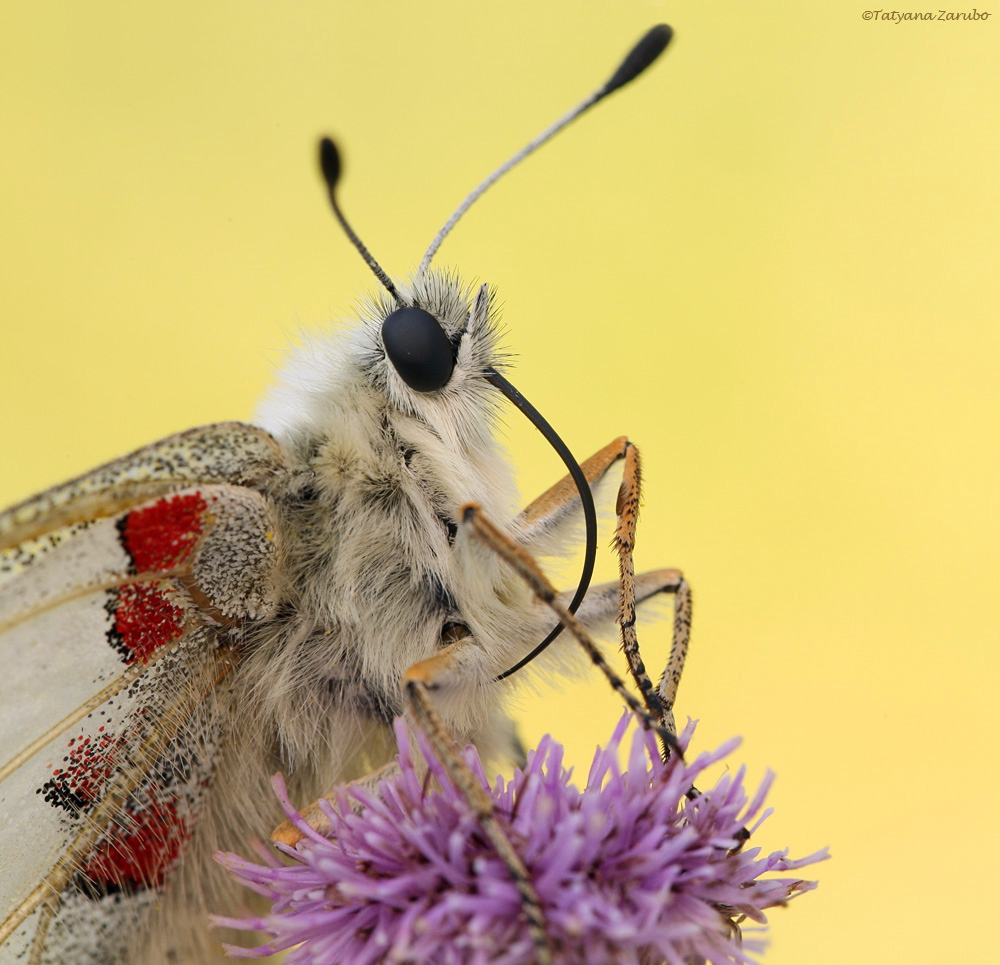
{"points": [[334, 562], [235, 600]]}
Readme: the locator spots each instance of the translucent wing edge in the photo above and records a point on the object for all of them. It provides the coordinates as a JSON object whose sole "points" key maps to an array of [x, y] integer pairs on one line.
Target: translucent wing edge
{"points": [[49, 890], [224, 452]]}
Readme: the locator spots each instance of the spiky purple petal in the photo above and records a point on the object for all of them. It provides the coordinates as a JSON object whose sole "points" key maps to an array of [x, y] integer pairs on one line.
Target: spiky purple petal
{"points": [[628, 870]]}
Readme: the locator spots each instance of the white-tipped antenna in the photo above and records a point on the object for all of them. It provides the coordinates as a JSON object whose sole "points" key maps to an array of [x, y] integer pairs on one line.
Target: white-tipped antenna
{"points": [[652, 44]]}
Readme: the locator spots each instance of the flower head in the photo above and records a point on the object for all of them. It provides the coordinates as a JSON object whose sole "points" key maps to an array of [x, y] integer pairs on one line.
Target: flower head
{"points": [[630, 869]]}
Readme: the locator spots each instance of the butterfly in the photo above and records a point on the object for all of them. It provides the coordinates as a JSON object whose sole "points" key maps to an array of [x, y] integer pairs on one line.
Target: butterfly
{"points": [[238, 599]]}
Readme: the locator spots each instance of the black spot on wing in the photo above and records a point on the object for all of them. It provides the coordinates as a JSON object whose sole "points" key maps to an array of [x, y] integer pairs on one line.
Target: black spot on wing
{"points": [[121, 524], [116, 641]]}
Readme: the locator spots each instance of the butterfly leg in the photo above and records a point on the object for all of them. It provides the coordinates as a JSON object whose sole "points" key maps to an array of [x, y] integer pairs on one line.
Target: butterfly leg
{"points": [[523, 563], [561, 504], [418, 683], [558, 507], [660, 702], [314, 815]]}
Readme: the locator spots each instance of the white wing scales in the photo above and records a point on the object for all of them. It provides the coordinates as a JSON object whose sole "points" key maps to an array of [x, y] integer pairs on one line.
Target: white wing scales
{"points": [[227, 452], [116, 595]]}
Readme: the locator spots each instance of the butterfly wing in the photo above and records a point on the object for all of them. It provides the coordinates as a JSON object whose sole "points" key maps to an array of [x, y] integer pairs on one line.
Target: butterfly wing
{"points": [[121, 593]]}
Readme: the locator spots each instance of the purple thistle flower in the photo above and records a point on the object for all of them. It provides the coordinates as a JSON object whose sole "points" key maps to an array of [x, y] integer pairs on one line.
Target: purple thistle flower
{"points": [[628, 870]]}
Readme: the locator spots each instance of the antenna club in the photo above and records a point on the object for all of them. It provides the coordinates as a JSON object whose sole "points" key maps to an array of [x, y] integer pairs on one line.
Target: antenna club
{"points": [[649, 47], [329, 162], [329, 165], [644, 53]]}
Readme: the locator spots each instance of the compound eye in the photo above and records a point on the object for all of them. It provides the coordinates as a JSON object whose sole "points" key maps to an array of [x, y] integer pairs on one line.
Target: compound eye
{"points": [[418, 348]]}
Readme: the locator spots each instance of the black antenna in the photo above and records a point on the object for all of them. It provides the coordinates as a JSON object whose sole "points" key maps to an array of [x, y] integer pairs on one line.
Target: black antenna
{"points": [[329, 164], [652, 44]]}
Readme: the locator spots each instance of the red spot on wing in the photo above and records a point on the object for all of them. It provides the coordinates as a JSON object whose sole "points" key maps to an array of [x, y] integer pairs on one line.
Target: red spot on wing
{"points": [[142, 842], [162, 535], [145, 619], [139, 851], [157, 538]]}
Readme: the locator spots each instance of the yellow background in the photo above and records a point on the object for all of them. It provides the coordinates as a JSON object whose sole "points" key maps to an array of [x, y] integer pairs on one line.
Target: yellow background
{"points": [[772, 262]]}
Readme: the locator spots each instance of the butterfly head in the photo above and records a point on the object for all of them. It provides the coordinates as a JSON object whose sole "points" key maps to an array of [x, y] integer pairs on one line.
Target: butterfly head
{"points": [[436, 348], [435, 344], [432, 333]]}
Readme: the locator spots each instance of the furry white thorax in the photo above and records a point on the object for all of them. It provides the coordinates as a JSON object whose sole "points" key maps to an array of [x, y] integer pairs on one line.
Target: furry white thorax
{"points": [[374, 568]]}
